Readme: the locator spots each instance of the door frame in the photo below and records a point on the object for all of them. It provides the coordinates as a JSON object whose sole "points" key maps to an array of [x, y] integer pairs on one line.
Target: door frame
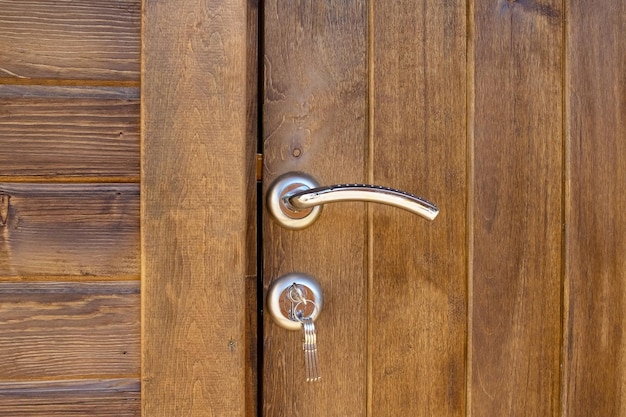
{"points": [[195, 182]]}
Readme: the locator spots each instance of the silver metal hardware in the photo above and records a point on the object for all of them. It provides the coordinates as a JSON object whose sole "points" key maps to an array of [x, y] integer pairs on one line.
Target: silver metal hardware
{"points": [[294, 301], [295, 199], [293, 294], [310, 350]]}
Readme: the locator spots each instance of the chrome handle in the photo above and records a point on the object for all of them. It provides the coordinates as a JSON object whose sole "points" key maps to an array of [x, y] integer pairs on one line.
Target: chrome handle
{"points": [[295, 199]]}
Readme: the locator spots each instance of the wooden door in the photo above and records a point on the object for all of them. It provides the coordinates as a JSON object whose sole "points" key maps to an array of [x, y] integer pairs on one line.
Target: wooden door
{"points": [[510, 116]]}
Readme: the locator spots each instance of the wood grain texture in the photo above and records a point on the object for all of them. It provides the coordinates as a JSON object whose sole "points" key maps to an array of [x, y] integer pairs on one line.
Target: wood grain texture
{"points": [[595, 289], [516, 208], [418, 144], [98, 397], [194, 216], [69, 229], [51, 132], [254, 302], [315, 120], [67, 330], [69, 39]]}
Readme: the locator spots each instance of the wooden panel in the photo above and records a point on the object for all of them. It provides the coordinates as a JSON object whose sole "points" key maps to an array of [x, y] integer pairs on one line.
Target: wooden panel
{"points": [[194, 208], [101, 398], [516, 198], [315, 120], [70, 39], [418, 143], [69, 132], [69, 229], [66, 330], [595, 287]]}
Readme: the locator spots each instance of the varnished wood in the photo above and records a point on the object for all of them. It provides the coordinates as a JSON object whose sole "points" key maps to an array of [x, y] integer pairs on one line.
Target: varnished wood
{"points": [[516, 208], [69, 132], [315, 120], [418, 279], [594, 356], [78, 397], [69, 229], [69, 39], [194, 217], [68, 330]]}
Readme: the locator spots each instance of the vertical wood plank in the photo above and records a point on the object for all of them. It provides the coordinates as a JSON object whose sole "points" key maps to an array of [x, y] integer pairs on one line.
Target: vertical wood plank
{"points": [[595, 289], [418, 277], [516, 199], [254, 303], [193, 208], [315, 120]]}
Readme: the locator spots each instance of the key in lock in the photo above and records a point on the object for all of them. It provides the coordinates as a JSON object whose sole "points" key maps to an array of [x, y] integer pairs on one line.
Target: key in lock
{"points": [[294, 302]]}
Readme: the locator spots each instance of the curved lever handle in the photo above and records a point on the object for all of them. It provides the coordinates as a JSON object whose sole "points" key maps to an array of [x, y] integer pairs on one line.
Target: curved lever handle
{"points": [[295, 199], [362, 192]]}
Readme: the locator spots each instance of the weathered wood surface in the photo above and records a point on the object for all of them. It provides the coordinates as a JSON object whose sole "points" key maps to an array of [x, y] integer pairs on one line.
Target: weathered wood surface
{"points": [[70, 39], [516, 208], [69, 230], [64, 330], [194, 208], [594, 354], [53, 132], [79, 397], [418, 278], [69, 345]]}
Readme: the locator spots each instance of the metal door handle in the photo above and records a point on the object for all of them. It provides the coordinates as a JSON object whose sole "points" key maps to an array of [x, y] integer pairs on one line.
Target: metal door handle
{"points": [[295, 199]]}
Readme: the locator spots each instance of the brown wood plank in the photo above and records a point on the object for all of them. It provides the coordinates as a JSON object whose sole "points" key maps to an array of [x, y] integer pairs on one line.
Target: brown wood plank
{"points": [[315, 120], [95, 398], [69, 229], [69, 39], [516, 208], [194, 175], [253, 301], [65, 330], [594, 357], [48, 132], [418, 281]]}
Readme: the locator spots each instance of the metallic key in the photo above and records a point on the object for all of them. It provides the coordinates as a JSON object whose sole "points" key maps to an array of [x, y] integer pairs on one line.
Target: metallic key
{"points": [[310, 350], [294, 302]]}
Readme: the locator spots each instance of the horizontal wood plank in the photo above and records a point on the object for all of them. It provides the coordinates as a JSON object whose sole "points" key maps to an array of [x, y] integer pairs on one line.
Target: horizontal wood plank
{"points": [[60, 329], [70, 39], [69, 229], [48, 132], [94, 398]]}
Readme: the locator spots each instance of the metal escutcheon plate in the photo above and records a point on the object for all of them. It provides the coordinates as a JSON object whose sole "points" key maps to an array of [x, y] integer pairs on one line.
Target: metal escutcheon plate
{"points": [[278, 300], [282, 186]]}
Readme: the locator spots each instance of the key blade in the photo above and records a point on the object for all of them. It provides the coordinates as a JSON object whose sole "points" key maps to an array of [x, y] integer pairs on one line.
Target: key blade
{"points": [[310, 351]]}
